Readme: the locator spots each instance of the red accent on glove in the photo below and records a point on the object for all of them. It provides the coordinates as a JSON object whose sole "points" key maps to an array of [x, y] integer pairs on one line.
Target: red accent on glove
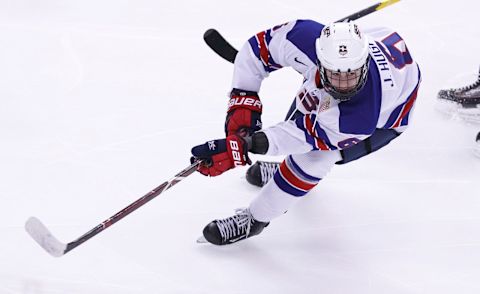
{"points": [[239, 119], [239, 113], [236, 154]]}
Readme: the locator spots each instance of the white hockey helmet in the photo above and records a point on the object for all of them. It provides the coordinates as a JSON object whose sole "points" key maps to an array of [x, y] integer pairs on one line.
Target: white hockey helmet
{"points": [[343, 58]]}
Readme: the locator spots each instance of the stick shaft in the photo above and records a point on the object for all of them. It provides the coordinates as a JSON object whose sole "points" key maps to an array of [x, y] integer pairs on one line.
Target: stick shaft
{"points": [[132, 207], [368, 10]]}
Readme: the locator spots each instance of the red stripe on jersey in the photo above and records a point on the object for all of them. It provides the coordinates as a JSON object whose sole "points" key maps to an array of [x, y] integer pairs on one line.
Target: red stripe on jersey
{"points": [[263, 48], [406, 109], [317, 80], [320, 144], [308, 124], [292, 179]]}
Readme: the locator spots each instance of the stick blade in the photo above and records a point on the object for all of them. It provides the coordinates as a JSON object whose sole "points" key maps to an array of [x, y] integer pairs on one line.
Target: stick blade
{"points": [[37, 230], [218, 44]]}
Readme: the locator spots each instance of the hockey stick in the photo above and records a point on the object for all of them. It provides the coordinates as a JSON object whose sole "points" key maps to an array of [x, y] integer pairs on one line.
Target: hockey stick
{"points": [[39, 232], [221, 46], [368, 10]]}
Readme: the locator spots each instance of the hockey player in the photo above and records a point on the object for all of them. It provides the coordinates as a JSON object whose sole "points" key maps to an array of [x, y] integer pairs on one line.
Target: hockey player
{"points": [[358, 92]]}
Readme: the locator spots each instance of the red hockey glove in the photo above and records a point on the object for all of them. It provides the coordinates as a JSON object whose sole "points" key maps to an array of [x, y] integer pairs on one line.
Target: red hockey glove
{"points": [[221, 155], [244, 112]]}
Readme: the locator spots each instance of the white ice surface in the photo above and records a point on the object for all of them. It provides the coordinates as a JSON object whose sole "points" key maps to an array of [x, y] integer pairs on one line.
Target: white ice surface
{"points": [[101, 101]]}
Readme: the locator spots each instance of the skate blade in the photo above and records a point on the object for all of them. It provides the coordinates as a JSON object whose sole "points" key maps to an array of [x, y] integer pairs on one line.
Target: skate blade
{"points": [[201, 240]]}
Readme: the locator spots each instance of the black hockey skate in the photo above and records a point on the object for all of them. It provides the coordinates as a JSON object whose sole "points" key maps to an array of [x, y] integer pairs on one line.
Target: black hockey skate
{"points": [[261, 172], [232, 229], [464, 101], [467, 97]]}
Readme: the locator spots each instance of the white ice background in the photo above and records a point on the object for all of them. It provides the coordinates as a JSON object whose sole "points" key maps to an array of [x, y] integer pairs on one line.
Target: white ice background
{"points": [[101, 101]]}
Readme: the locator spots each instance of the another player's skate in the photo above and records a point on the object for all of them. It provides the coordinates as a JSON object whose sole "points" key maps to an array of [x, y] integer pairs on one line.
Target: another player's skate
{"points": [[476, 148], [464, 101], [261, 172], [232, 229]]}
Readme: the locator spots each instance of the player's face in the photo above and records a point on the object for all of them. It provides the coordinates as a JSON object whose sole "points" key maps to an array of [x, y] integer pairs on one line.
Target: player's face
{"points": [[344, 81]]}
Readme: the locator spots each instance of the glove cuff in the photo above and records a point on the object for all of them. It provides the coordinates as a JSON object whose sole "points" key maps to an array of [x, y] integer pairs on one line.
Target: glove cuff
{"points": [[244, 99]]}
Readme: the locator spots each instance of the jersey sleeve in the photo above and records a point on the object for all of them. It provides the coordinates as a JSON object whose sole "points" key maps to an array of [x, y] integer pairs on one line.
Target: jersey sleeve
{"points": [[286, 138], [262, 54], [291, 44]]}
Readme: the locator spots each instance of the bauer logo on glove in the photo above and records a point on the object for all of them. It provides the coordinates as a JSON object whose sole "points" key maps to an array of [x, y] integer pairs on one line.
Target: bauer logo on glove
{"points": [[244, 112], [221, 155]]}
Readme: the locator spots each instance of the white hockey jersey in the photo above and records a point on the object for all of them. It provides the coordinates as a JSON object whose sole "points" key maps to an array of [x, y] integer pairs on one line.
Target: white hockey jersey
{"points": [[321, 122]]}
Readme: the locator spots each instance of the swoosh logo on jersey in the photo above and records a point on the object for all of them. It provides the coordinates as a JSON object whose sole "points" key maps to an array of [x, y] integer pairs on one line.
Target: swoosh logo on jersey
{"points": [[296, 59]]}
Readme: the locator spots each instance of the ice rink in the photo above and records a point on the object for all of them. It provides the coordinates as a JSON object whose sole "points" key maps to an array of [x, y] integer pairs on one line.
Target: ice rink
{"points": [[101, 101]]}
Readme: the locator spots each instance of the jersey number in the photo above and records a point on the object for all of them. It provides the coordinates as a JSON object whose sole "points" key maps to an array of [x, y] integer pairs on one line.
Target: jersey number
{"points": [[308, 101], [397, 52], [348, 143]]}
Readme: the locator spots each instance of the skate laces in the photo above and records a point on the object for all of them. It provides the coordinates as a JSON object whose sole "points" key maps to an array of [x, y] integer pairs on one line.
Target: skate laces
{"points": [[267, 170], [236, 226]]}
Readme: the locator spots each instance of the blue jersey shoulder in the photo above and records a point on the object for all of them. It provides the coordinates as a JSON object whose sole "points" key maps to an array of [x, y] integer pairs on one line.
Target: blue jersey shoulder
{"points": [[303, 36]]}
